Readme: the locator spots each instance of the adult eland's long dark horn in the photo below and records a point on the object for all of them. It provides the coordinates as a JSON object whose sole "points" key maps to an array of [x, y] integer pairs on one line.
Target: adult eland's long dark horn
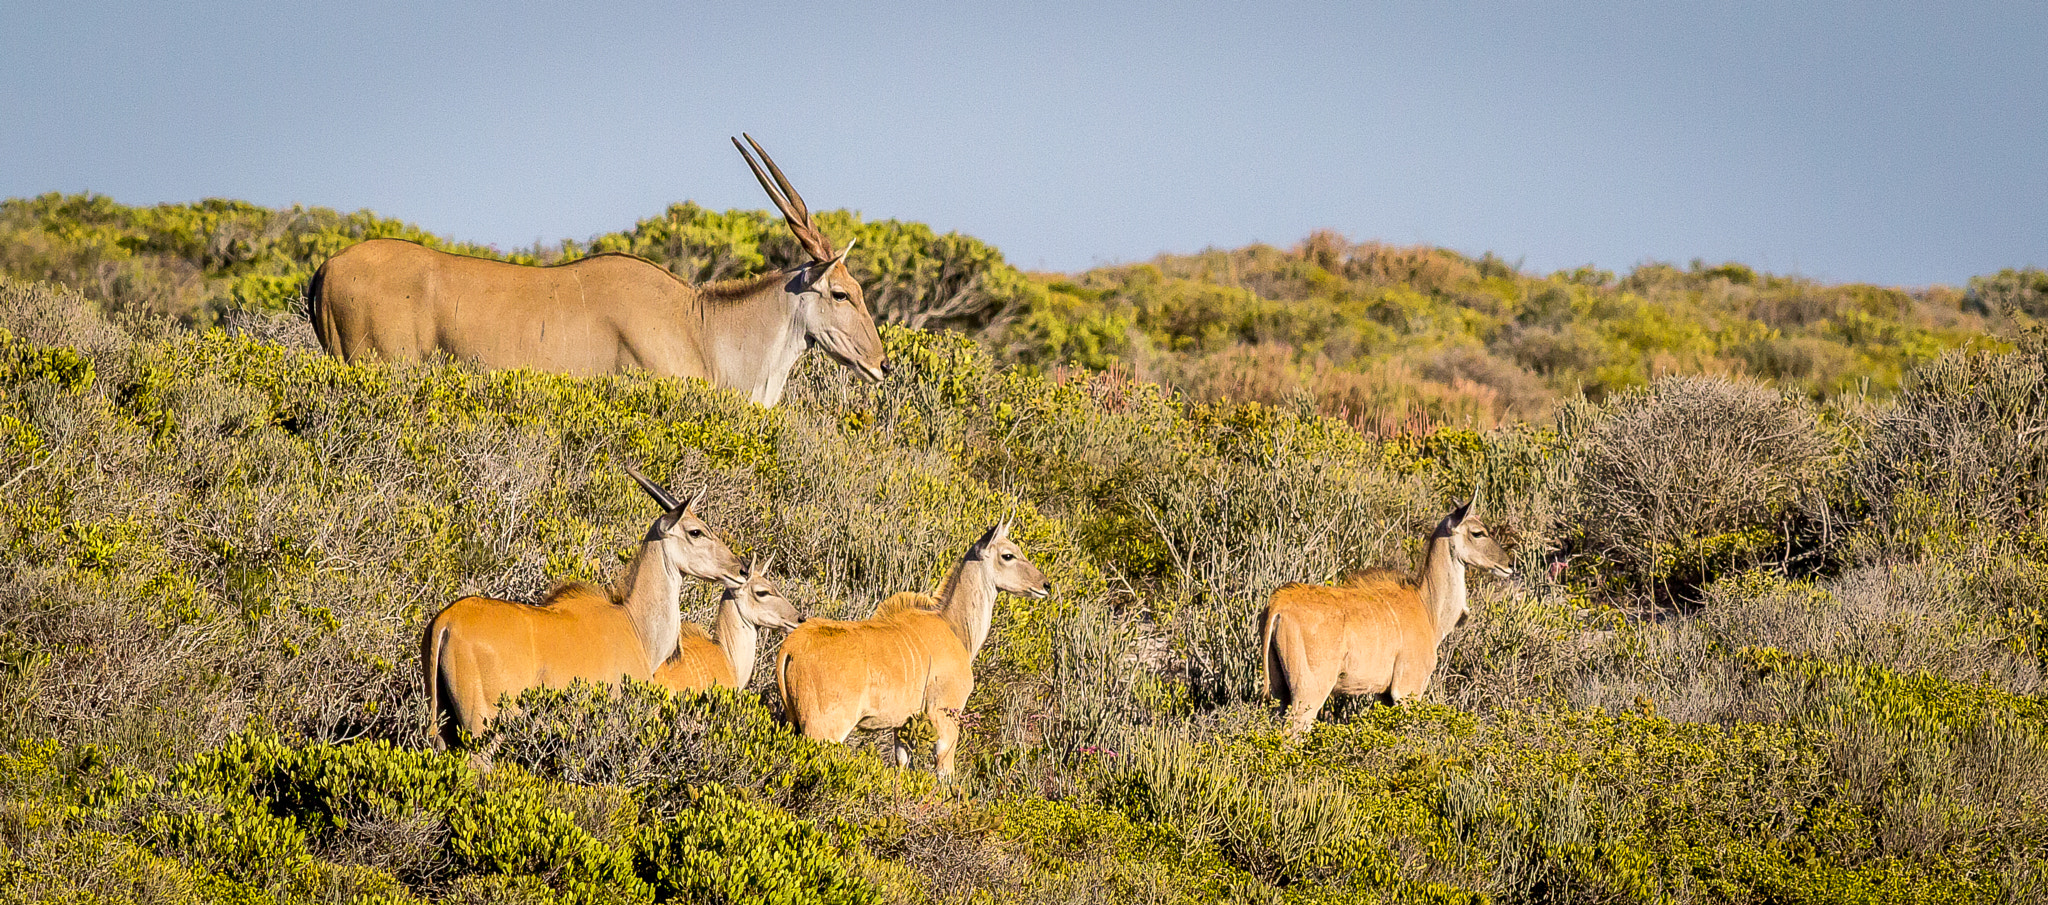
{"points": [[786, 198], [654, 490]]}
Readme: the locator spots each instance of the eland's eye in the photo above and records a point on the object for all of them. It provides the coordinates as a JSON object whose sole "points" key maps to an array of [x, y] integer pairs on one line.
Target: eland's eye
{"points": [[696, 532], [1009, 556], [840, 294]]}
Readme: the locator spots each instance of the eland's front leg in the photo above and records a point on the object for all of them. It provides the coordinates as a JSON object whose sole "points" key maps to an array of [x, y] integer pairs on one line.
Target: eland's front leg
{"points": [[945, 725]]}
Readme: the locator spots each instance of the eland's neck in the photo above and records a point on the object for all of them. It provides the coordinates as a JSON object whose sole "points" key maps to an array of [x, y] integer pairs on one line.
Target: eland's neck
{"points": [[647, 590], [738, 638], [752, 343], [1442, 585], [968, 602]]}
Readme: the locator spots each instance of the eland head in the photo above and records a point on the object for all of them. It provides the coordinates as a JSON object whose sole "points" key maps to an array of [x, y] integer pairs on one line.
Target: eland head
{"points": [[1012, 572], [1470, 544], [757, 600], [684, 539], [827, 299]]}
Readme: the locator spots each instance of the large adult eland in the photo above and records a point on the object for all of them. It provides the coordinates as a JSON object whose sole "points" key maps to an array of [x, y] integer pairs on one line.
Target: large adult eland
{"points": [[726, 658], [1371, 633], [914, 656], [479, 649], [401, 301]]}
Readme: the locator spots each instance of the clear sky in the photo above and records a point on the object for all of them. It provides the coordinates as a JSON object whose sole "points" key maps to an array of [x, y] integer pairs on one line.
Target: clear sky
{"points": [[1903, 144]]}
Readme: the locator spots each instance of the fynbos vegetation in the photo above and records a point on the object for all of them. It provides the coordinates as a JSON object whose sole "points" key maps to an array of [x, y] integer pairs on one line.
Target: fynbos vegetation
{"points": [[1774, 636]]}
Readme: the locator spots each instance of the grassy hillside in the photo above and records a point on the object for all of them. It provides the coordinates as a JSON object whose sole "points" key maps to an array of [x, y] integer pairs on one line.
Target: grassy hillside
{"points": [[1795, 650]]}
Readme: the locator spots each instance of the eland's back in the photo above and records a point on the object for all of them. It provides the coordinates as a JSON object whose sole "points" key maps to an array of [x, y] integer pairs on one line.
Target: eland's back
{"points": [[479, 649], [401, 301], [1367, 635], [876, 673]]}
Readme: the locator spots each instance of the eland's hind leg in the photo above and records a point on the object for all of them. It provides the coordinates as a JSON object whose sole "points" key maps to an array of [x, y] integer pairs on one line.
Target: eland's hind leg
{"points": [[1304, 685]]}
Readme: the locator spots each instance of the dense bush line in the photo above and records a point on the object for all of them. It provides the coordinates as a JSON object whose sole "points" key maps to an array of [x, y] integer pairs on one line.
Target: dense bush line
{"points": [[222, 259], [1402, 339]]}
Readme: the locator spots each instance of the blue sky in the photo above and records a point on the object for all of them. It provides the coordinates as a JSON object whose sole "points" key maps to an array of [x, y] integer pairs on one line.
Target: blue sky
{"points": [[1890, 143]]}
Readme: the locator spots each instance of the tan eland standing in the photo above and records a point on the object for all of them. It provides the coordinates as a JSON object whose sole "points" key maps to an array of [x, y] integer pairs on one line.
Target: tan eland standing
{"points": [[1372, 634], [914, 656], [702, 660], [479, 649], [608, 313]]}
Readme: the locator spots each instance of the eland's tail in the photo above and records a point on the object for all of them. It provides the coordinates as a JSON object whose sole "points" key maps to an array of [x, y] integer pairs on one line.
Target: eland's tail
{"points": [[789, 711], [435, 639], [1269, 653], [316, 304]]}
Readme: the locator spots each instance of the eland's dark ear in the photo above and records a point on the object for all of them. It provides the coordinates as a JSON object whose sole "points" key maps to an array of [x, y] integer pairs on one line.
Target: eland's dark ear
{"points": [[810, 275], [987, 538], [665, 524], [1457, 516]]}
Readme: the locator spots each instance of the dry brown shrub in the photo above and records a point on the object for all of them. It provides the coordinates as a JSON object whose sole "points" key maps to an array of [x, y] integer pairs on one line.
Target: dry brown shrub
{"points": [[1692, 469], [1425, 268]]}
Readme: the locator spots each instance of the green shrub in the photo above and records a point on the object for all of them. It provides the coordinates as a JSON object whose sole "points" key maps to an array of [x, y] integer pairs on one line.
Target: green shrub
{"points": [[2023, 291], [723, 849]]}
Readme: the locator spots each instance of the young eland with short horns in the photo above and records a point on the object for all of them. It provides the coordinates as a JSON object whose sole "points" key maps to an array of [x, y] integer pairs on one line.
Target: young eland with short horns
{"points": [[1371, 633], [479, 649], [726, 659], [914, 656]]}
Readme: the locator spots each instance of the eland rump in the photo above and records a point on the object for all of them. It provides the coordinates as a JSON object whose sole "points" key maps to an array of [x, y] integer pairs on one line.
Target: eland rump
{"points": [[1372, 634], [401, 301], [479, 649], [914, 656]]}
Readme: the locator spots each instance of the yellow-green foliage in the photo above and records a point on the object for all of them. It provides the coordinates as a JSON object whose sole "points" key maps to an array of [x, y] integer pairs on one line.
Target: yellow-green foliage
{"points": [[724, 849], [185, 259], [1811, 672]]}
